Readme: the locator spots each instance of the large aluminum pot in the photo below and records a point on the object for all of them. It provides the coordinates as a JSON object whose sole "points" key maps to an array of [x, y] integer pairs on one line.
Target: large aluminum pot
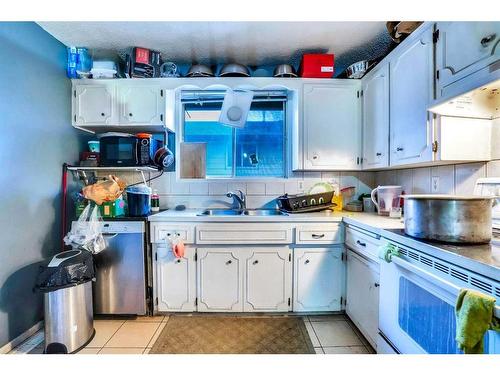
{"points": [[448, 218]]}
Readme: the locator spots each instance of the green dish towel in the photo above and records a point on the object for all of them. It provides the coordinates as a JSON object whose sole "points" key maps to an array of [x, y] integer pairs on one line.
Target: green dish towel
{"points": [[387, 251], [474, 312]]}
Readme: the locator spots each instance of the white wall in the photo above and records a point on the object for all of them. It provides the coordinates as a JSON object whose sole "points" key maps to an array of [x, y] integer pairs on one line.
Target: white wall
{"points": [[453, 179]]}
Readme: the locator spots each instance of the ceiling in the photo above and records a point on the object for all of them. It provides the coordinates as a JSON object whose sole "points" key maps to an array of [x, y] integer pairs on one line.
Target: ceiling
{"points": [[251, 43]]}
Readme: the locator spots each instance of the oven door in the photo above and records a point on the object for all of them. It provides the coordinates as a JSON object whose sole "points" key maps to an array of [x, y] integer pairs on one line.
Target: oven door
{"points": [[417, 310], [118, 151]]}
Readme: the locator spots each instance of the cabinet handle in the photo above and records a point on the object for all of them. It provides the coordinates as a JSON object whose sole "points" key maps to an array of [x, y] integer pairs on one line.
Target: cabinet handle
{"points": [[307, 261], [130, 114], [400, 149], [488, 39], [102, 114], [229, 262], [361, 243], [255, 262], [318, 235], [378, 154], [178, 261], [376, 285], [315, 157]]}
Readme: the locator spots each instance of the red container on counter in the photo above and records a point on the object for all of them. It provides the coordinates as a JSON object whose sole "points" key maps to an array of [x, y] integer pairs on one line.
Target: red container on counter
{"points": [[317, 65]]}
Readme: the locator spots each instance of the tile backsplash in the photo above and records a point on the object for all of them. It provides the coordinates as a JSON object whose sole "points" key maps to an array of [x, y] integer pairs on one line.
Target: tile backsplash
{"points": [[446, 179], [260, 193]]}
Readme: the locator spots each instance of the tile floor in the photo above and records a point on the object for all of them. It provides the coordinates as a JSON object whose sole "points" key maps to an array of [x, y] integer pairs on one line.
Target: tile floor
{"points": [[330, 334]]}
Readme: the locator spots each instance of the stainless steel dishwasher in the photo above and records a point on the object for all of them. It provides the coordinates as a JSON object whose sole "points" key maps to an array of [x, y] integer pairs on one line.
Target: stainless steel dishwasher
{"points": [[120, 286]]}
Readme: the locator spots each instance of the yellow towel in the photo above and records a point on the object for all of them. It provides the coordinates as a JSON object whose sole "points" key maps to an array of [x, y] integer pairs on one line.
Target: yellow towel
{"points": [[474, 312]]}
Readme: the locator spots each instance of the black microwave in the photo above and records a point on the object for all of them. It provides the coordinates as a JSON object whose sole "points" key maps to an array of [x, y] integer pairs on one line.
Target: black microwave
{"points": [[127, 150]]}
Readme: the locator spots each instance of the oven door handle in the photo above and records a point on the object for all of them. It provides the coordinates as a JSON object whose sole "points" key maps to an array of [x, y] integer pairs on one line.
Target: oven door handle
{"points": [[445, 284]]}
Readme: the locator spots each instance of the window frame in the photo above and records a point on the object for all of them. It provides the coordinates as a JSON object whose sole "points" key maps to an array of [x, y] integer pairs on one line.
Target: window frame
{"points": [[285, 154]]}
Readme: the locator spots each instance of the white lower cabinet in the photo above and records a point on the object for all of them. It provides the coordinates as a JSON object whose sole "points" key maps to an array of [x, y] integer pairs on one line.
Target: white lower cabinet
{"points": [[268, 279], [175, 280], [318, 279], [220, 280], [244, 279], [363, 294]]}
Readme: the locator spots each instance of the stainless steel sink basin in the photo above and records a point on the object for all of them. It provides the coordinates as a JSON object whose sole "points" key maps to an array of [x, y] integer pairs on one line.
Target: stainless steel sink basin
{"points": [[264, 213], [222, 212]]}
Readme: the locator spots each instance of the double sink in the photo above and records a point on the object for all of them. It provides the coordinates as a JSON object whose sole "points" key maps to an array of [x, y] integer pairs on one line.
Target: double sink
{"points": [[243, 212]]}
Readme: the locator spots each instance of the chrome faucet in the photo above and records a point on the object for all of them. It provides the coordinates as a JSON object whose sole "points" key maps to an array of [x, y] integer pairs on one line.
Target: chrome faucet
{"points": [[239, 199]]}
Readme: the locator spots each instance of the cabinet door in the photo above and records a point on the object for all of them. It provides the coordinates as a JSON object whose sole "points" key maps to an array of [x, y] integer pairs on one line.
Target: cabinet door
{"points": [[93, 105], [219, 280], [363, 295], [463, 48], [332, 128], [376, 119], [318, 279], [411, 90], [141, 105], [175, 280], [268, 279]]}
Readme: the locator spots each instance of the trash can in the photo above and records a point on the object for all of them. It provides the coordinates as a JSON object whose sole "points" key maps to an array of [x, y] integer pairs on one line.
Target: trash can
{"points": [[67, 286]]}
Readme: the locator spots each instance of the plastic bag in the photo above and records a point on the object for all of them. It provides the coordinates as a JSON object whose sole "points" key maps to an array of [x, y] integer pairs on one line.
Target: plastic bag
{"points": [[86, 233], [78, 269], [105, 191]]}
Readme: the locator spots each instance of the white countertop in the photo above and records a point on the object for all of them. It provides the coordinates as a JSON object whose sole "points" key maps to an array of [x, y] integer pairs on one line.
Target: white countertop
{"points": [[371, 221]]}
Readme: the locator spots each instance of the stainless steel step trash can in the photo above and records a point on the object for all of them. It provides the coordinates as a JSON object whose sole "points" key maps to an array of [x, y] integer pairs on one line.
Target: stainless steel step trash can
{"points": [[67, 286]]}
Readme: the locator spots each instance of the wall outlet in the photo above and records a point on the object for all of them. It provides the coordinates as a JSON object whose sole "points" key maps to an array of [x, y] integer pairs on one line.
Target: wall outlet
{"points": [[435, 184]]}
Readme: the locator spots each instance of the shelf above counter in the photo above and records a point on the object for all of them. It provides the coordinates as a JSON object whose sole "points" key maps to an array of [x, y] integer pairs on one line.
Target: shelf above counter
{"points": [[124, 169]]}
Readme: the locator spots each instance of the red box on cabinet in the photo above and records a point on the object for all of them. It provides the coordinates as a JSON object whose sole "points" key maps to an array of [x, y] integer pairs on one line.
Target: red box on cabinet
{"points": [[317, 65]]}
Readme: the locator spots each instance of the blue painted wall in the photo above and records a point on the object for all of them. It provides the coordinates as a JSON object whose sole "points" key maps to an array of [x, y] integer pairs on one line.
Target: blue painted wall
{"points": [[36, 138]]}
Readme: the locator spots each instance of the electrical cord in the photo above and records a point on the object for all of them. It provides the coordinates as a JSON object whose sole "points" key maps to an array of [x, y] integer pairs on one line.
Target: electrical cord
{"points": [[148, 180]]}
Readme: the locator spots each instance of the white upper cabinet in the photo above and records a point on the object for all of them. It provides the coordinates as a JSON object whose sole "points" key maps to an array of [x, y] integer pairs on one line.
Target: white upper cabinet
{"points": [[268, 279], [175, 280], [375, 96], [118, 103], [331, 126], [411, 91], [463, 48], [141, 105], [93, 105], [318, 279], [219, 280]]}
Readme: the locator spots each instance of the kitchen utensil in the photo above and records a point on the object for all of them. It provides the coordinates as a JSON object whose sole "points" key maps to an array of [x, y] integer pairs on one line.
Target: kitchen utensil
{"points": [[284, 71], [317, 65], [144, 63], [305, 202], [368, 205], [388, 197], [321, 187], [355, 206], [93, 146], [448, 218], [359, 69], [169, 69], [200, 70], [234, 70], [164, 158]]}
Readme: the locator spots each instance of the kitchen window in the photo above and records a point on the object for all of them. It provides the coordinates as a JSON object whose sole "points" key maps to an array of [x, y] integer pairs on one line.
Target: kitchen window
{"points": [[256, 150]]}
